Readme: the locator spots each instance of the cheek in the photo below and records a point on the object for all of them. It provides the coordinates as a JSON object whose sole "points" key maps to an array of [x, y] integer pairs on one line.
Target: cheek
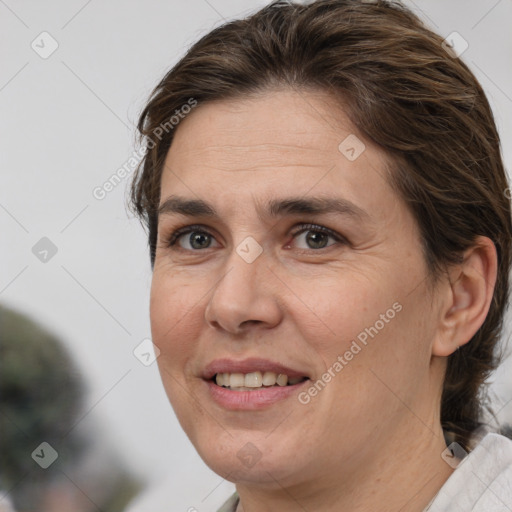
{"points": [[338, 315], [173, 307], [379, 331], [174, 310]]}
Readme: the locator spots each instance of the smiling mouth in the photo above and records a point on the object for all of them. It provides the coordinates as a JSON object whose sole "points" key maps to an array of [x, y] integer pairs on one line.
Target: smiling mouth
{"points": [[254, 380]]}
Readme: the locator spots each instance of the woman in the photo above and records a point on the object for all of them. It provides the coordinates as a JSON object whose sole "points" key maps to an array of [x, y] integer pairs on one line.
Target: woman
{"points": [[329, 235]]}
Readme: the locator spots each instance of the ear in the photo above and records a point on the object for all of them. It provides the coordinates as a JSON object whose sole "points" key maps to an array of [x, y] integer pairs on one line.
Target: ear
{"points": [[468, 297]]}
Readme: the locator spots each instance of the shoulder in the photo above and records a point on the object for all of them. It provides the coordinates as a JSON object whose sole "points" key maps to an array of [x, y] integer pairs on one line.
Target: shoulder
{"points": [[482, 481]]}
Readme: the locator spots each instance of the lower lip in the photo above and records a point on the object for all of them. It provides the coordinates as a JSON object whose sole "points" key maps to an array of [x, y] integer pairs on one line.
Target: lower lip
{"points": [[251, 400]]}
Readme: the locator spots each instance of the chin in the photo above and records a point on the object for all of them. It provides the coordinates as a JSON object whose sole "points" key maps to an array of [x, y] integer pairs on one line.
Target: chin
{"points": [[254, 458]]}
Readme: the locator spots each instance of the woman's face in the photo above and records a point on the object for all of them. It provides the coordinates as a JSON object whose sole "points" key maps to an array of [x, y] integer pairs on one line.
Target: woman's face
{"points": [[302, 261]]}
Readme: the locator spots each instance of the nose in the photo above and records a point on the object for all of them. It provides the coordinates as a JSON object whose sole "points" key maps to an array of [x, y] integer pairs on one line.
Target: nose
{"points": [[245, 294]]}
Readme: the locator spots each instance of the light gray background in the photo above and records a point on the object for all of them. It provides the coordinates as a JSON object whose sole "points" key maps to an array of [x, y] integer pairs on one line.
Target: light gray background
{"points": [[66, 125]]}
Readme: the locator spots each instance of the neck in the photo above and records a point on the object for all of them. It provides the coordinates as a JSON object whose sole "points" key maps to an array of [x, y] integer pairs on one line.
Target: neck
{"points": [[405, 475]]}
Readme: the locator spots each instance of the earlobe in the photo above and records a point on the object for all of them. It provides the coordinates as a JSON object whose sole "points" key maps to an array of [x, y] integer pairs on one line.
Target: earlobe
{"points": [[469, 294]]}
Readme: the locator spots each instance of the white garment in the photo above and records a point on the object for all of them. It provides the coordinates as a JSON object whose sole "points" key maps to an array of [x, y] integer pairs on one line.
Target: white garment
{"points": [[482, 482]]}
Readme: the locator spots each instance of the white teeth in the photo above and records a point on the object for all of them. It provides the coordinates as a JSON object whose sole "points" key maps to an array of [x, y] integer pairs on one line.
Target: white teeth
{"points": [[222, 379], [269, 378], [282, 379], [241, 382], [236, 380], [253, 380]]}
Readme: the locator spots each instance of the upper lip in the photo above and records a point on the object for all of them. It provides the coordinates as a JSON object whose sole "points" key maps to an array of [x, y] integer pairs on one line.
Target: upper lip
{"points": [[248, 366]]}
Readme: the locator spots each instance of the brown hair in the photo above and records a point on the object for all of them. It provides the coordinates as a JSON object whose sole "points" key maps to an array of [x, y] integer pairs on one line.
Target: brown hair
{"points": [[403, 91]]}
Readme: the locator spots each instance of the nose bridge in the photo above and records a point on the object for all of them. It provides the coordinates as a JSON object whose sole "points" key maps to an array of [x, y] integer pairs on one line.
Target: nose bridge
{"points": [[244, 270], [241, 295]]}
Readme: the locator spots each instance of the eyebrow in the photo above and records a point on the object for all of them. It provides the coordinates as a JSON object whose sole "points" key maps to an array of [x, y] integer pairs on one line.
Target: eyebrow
{"points": [[274, 207]]}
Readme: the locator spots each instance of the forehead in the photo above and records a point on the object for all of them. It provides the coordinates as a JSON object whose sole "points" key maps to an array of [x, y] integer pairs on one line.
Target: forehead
{"points": [[277, 140], [280, 124]]}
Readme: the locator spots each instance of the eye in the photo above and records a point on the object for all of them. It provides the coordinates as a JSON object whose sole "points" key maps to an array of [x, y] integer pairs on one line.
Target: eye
{"points": [[200, 238], [317, 236]]}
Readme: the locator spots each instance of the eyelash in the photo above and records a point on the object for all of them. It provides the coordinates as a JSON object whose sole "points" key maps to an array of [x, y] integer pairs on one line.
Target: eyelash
{"points": [[171, 240]]}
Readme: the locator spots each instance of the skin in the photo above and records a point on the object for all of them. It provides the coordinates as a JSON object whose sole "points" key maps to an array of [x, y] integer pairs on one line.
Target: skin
{"points": [[371, 439]]}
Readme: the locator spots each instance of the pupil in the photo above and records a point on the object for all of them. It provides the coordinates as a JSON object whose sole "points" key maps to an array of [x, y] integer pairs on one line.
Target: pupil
{"points": [[313, 239], [198, 237]]}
